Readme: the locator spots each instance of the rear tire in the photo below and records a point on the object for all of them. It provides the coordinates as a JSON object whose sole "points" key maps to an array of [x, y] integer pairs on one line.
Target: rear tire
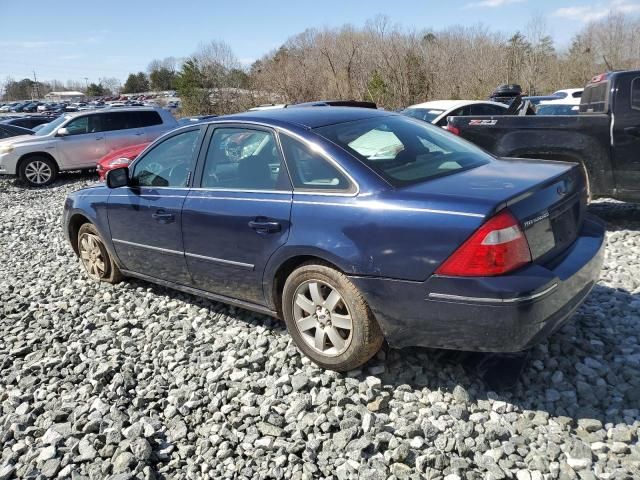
{"points": [[95, 257], [328, 318], [38, 171]]}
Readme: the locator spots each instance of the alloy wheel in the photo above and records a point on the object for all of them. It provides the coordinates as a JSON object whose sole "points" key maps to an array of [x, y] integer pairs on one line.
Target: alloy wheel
{"points": [[92, 256], [38, 172], [322, 317]]}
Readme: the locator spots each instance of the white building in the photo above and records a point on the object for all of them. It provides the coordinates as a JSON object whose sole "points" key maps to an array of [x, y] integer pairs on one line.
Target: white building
{"points": [[64, 96]]}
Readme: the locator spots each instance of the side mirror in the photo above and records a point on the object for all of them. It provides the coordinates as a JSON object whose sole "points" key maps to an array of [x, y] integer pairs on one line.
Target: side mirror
{"points": [[118, 177], [62, 132]]}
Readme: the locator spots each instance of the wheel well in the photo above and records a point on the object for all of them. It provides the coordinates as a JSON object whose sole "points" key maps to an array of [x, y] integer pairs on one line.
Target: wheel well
{"points": [[27, 156], [286, 269], [75, 222]]}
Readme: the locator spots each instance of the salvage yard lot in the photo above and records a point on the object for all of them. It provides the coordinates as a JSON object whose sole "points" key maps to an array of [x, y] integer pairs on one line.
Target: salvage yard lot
{"points": [[138, 380]]}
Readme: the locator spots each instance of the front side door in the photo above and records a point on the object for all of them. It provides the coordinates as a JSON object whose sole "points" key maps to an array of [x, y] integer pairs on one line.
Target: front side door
{"points": [[145, 218], [626, 134], [239, 215], [85, 143]]}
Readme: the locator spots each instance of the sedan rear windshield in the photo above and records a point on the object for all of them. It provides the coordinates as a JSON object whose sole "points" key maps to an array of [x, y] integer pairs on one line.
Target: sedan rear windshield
{"points": [[404, 151]]}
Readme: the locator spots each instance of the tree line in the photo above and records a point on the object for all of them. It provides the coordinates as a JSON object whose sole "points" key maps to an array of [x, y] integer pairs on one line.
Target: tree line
{"points": [[387, 63]]}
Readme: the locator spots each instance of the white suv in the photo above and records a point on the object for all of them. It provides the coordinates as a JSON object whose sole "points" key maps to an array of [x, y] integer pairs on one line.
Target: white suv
{"points": [[77, 141]]}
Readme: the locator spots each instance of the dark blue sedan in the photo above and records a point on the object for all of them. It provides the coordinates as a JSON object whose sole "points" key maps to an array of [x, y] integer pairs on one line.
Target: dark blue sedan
{"points": [[354, 226]]}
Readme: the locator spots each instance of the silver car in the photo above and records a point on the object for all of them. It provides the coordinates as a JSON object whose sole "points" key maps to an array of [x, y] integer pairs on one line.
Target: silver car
{"points": [[77, 141]]}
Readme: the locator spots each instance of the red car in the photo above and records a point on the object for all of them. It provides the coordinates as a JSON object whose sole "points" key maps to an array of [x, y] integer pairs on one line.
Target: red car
{"points": [[119, 158]]}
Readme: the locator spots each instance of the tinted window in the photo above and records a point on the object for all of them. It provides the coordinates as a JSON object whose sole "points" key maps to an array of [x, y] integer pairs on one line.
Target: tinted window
{"points": [[635, 93], [310, 170], [4, 133], [244, 159], [86, 124], [576, 94], [404, 151], [147, 119], [119, 120], [595, 98], [168, 164], [484, 109]]}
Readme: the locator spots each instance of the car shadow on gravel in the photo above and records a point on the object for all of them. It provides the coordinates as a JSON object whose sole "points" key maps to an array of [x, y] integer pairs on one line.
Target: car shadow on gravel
{"points": [[583, 371], [579, 372]]}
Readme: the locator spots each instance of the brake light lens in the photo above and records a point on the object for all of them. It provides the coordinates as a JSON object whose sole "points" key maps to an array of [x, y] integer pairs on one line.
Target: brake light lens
{"points": [[499, 246], [452, 129]]}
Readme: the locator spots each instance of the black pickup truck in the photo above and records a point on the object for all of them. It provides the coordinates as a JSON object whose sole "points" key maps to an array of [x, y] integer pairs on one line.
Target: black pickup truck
{"points": [[604, 137]]}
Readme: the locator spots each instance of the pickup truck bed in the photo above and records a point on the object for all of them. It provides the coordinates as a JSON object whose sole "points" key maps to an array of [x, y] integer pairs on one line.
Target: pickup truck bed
{"points": [[604, 138]]}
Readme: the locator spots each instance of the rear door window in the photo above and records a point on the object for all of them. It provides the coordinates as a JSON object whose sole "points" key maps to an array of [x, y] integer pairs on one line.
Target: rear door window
{"points": [[147, 119], [244, 159], [310, 170]]}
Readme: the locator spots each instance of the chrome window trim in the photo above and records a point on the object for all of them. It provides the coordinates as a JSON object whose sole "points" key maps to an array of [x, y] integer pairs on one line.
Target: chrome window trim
{"points": [[276, 200], [277, 129], [498, 301], [316, 148]]}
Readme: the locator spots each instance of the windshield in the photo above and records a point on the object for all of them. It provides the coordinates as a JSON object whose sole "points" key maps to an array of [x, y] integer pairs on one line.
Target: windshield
{"points": [[426, 114], [51, 126], [404, 151]]}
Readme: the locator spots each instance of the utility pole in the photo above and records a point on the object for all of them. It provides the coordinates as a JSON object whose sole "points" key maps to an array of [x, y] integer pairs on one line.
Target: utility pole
{"points": [[86, 83], [36, 87]]}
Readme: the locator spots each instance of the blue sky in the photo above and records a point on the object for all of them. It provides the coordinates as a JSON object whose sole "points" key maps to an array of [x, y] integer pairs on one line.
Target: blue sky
{"points": [[77, 39]]}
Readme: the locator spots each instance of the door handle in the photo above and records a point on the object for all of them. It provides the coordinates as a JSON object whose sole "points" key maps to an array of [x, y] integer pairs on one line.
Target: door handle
{"points": [[139, 133], [163, 217], [265, 226], [633, 131], [99, 138]]}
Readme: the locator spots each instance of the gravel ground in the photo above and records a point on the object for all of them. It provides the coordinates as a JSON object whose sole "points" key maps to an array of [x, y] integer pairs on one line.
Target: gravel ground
{"points": [[138, 381]]}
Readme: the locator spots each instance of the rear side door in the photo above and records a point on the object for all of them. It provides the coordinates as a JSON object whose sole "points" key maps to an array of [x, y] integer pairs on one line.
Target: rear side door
{"points": [[239, 215], [85, 143], [145, 218], [122, 129], [626, 133]]}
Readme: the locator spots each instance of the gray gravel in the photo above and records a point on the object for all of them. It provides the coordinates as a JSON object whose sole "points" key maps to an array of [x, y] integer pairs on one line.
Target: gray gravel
{"points": [[137, 381]]}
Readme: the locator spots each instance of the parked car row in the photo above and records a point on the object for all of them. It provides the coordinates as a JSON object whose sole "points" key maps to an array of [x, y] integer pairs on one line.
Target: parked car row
{"points": [[79, 140]]}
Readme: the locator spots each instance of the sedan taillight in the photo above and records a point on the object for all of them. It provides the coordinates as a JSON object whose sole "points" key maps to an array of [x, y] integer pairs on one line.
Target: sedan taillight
{"points": [[499, 246]]}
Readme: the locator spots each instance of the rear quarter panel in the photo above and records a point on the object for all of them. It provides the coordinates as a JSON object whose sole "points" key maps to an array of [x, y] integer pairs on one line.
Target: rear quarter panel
{"points": [[374, 235]]}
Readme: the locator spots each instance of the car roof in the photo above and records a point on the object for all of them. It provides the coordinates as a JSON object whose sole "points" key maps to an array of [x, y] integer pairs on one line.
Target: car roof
{"points": [[451, 104], [103, 110], [310, 117]]}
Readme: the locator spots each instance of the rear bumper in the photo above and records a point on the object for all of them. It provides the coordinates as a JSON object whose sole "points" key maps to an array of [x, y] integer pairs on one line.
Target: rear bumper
{"points": [[498, 314]]}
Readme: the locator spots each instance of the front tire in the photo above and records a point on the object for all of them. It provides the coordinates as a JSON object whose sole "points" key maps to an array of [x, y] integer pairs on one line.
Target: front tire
{"points": [[95, 257], [328, 318], [38, 171]]}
